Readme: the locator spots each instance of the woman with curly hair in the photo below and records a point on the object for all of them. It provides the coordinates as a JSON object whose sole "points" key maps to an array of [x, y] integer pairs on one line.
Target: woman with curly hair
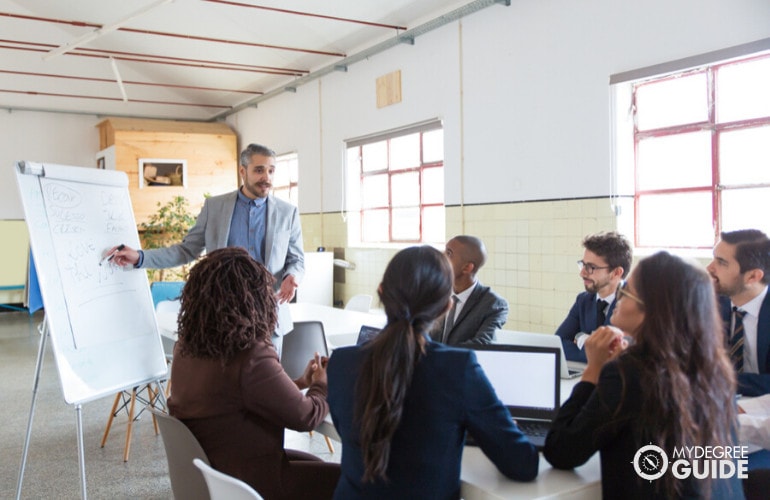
{"points": [[230, 388], [402, 403], [673, 387]]}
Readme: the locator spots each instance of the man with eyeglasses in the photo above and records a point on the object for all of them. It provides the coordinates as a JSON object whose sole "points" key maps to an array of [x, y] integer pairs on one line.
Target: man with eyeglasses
{"points": [[606, 262], [741, 271]]}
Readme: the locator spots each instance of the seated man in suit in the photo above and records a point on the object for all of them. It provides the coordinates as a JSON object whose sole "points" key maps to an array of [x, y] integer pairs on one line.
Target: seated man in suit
{"points": [[606, 262], [477, 310], [740, 270]]}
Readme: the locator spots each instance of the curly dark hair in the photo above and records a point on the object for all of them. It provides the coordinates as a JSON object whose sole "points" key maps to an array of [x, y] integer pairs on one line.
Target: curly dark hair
{"points": [[228, 304]]}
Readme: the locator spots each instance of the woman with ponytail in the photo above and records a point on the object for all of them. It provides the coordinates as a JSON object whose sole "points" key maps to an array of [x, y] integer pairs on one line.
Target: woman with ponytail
{"points": [[402, 403]]}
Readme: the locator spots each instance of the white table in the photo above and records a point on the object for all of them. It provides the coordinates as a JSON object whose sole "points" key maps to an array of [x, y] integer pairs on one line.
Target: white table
{"points": [[480, 479], [341, 326]]}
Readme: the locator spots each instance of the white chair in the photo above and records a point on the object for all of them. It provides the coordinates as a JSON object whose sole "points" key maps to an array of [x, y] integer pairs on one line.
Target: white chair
{"points": [[181, 449], [299, 347], [224, 487], [360, 302]]}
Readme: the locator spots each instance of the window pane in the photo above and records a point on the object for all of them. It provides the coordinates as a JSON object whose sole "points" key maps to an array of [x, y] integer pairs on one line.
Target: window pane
{"points": [[294, 196], [673, 101], [374, 192], [294, 169], [433, 146], [281, 175], [746, 209], [405, 190], [742, 90], [354, 160], [405, 152], [674, 161], [433, 185], [676, 220], [374, 156], [433, 225], [745, 156], [375, 226], [281, 193], [406, 224]]}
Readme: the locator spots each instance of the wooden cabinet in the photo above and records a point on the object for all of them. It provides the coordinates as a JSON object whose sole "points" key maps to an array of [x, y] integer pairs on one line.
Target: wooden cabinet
{"points": [[210, 152]]}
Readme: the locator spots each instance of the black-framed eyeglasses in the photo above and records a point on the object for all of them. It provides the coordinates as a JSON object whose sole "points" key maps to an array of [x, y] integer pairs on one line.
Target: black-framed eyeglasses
{"points": [[623, 292], [590, 268]]}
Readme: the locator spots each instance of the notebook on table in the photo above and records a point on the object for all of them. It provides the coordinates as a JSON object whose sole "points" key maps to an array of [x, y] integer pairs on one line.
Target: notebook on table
{"points": [[526, 380], [541, 340]]}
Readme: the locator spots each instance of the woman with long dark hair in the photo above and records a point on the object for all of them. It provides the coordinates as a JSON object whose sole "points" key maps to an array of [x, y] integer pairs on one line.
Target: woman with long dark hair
{"points": [[672, 388], [402, 403], [230, 389]]}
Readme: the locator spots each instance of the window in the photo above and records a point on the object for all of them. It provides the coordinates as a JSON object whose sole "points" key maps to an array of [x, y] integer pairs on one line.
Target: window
{"points": [[396, 186], [285, 178], [702, 153]]}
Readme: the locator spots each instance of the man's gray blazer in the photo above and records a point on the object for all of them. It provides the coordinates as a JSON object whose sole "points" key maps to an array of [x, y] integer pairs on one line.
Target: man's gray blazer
{"points": [[283, 238], [483, 313]]}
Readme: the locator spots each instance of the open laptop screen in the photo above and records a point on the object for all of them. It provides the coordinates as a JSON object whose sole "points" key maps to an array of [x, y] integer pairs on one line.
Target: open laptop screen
{"points": [[367, 333], [526, 379]]}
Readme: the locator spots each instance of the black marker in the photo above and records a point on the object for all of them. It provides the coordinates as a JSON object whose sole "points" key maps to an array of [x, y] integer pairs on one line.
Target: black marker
{"points": [[109, 257]]}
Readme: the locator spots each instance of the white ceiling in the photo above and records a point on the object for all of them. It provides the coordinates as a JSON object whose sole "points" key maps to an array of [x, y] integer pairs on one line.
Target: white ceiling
{"points": [[190, 59]]}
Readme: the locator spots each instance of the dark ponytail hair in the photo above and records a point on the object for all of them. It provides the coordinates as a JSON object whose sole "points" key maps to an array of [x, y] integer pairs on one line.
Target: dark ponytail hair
{"points": [[415, 291]]}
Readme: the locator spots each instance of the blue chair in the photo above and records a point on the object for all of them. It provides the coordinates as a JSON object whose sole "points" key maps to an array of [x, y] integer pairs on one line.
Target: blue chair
{"points": [[165, 290]]}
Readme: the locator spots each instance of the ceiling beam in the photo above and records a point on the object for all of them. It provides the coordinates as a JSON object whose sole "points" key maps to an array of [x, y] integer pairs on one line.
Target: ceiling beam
{"points": [[93, 35]]}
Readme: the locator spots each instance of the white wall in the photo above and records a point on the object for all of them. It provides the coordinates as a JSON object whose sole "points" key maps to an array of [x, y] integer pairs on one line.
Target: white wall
{"points": [[523, 92], [44, 137]]}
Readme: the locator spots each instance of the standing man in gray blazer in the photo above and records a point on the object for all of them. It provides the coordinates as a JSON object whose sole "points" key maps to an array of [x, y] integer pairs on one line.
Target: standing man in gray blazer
{"points": [[267, 227], [477, 311]]}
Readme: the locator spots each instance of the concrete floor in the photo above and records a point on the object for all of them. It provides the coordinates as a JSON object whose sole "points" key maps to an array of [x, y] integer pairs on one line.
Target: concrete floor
{"points": [[52, 464]]}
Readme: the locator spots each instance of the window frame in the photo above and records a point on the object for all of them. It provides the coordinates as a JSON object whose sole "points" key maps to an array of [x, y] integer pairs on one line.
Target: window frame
{"points": [[716, 188], [387, 137]]}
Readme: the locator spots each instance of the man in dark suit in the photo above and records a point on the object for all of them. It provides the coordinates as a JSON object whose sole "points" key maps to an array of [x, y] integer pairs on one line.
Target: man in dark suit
{"points": [[477, 311], [606, 262], [741, 270]]}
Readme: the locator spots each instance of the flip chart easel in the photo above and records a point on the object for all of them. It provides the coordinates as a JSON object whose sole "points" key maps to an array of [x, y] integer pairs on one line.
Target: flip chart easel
{"points": [[100, 318]]}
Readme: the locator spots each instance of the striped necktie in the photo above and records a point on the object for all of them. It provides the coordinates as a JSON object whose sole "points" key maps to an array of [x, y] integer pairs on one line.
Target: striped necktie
{"points": [[736, 339]]}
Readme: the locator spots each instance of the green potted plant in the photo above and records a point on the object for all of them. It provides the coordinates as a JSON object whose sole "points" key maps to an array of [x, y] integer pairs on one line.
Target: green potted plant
{"points": [[167, 226]]}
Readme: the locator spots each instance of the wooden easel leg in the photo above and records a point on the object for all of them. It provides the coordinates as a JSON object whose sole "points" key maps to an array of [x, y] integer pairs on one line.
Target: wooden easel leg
{"points": [[153, 397], [329, 444], [130, 425], [109, 421]]}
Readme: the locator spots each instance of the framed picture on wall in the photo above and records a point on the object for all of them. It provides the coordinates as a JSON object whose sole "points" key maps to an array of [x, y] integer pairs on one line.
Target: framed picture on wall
{"points": [[162, 172]]}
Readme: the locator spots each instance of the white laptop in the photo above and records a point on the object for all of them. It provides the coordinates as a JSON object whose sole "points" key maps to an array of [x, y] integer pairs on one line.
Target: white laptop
{"points": [[526, 379], [571, 370]]}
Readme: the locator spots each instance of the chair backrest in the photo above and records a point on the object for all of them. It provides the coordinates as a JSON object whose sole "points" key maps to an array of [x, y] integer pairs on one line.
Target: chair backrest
{"points": [[360, 302], [224, 487], [165, 290], [299, 346], [182, 447]]}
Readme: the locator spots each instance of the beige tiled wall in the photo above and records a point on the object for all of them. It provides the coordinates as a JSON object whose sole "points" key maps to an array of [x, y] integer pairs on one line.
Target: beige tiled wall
{"points": [[533, 249]]}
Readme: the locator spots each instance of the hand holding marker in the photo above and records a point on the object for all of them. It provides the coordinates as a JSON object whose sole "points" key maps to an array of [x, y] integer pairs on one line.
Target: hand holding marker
{"points": [[107, 258]]}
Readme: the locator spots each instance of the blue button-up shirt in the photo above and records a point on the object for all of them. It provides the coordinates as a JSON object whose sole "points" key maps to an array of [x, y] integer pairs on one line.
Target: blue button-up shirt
{"points": [[247, 228]]}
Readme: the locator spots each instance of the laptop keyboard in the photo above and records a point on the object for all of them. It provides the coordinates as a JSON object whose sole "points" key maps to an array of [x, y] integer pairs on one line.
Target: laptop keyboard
{"points": [[539, 429]]}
